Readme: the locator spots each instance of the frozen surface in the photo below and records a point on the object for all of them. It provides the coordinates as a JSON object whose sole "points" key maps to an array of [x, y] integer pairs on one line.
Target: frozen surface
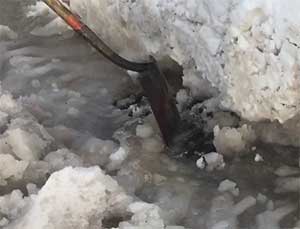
{"points": [[71, 159]]}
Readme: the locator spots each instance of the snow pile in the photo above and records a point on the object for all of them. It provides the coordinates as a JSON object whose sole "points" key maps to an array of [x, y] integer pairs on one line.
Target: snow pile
{"points": [[248, 50], [80, 198], [231, 141], [57, 203]]}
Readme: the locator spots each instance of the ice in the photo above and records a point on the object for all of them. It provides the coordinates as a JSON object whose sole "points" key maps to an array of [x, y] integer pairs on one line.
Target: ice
{"points": [[62, 158], [153, 145], [144, 131], [32, 189], [6, 33], [231, 141], [11, 169], [27, 146], [261, 198], [56, 27], [39, 9], [211, 161], [12, 205], [258, 158], [144, 216], [239, 61], [8, 104], [285, 170], [228, 185], [97, 152], [117, 158], [3, 222], [244, 204], [287, 184], [271, 219]]}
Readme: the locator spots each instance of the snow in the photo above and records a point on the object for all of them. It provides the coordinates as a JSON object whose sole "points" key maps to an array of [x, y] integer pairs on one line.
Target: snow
{"points": [[10, 168], [219, 42]]}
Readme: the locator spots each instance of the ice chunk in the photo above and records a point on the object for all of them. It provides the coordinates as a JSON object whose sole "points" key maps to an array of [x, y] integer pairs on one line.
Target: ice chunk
{"points": [[221, 212], [244, 204], [287, 184], [261, 198], [258, 158], [96, 151], [74, 198], [285, 170], [3, 222], [6, 33], [227, 185], [10, 168], [56, 27], [3, 119], [13, 204], [144, 131], [32, 189], [62, 158], [9, 105], [230, 141], [117, 158], [27, 146], [211, 161], [39, 9], [153, 145], [271, 219], [144, 216]]}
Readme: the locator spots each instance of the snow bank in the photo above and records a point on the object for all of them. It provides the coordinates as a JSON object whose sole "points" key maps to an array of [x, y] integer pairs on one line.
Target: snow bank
{"points": [[248, 50]]}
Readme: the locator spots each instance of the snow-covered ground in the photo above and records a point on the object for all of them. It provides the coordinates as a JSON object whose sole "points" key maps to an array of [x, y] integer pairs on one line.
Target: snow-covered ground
{"points": [[70, 159]]}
